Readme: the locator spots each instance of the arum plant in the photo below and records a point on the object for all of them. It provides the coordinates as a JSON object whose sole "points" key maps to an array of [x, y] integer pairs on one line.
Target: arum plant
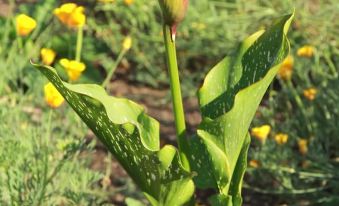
{"points": [[216, 156]]}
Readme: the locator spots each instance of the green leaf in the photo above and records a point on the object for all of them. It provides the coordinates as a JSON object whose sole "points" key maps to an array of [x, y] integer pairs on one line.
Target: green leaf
{"points": [[228, 99], [133, 202], [132, 137], [239, 172]]}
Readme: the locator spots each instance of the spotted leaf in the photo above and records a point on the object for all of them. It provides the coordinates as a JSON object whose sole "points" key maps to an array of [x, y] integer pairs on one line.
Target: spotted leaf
{"points": [[132, 137], [229, 97]]}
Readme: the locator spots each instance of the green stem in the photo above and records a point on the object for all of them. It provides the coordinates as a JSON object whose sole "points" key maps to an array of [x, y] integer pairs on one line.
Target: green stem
{"points": [[20, 44], [115, 66], [20, 73], [331, 66], [301, 106], [178, 108], [79, 43]]}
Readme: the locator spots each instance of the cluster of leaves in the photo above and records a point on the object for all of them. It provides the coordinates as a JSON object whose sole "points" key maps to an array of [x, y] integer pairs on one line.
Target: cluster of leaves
{"points": [[238, 84]]}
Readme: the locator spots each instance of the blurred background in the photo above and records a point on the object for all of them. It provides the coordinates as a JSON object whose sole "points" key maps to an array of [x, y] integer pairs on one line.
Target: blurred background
{"points": [[49, 157]]}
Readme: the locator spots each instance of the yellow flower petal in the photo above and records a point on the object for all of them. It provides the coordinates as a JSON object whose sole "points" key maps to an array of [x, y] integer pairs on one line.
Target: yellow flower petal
{"points": [[310, 93], [127, 43], [52, 96], [47, 56], [254, 163], [71, 15], [261, 133], [64, 62], [306, 51], [302, 145], [106, 1], [68, 7], [286, 68], [24, 24], [129, 2], [281, 138], [73, 68]]}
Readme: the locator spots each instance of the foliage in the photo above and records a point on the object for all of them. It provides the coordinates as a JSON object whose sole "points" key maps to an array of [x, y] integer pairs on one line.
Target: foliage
{"points": [[238, 84], [40, 164], [277, 173], [133, 137]]}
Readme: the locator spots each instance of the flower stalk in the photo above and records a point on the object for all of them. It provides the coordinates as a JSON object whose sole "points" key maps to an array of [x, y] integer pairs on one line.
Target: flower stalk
{"points": [[126, 45], [178, 108], [79, 43], [301, 105], [115, 66]]}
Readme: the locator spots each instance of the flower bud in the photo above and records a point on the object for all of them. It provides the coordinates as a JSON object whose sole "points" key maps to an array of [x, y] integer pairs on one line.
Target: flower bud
{"points": [[73, 68], [173, 12], [52, 96], [127, 43], [47, 56], [25, 24]]}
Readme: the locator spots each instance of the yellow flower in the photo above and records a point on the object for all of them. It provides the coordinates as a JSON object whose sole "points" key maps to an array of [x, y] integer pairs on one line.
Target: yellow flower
{"points": [[71, 15], [127, 43], [310, 93], [106, 1], [52, 96], [306, 51], [254, 163], [302, 145], [24, 24], [281, 138], [47, 56], [129, 2], [261, 133], [286, 68], [73, 68]]}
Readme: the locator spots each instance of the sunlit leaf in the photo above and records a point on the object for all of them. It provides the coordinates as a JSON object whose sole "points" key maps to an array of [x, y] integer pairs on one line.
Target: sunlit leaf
{"points": [[228, 99], [132, 137]]}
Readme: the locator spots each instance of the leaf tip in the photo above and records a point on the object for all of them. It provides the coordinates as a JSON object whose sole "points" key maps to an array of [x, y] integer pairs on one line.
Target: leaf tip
{"points": [[289, 21], [32, 63]]}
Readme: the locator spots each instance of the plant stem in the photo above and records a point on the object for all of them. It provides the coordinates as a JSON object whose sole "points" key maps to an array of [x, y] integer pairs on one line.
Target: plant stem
{"points": [[178, 108], [331, 66], [20, 44], [79, 43], [115, 66], [301, 107]]}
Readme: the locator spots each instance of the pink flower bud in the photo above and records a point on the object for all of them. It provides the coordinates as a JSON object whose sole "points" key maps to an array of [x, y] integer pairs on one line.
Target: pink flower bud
{"points": [[173, 12]]}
